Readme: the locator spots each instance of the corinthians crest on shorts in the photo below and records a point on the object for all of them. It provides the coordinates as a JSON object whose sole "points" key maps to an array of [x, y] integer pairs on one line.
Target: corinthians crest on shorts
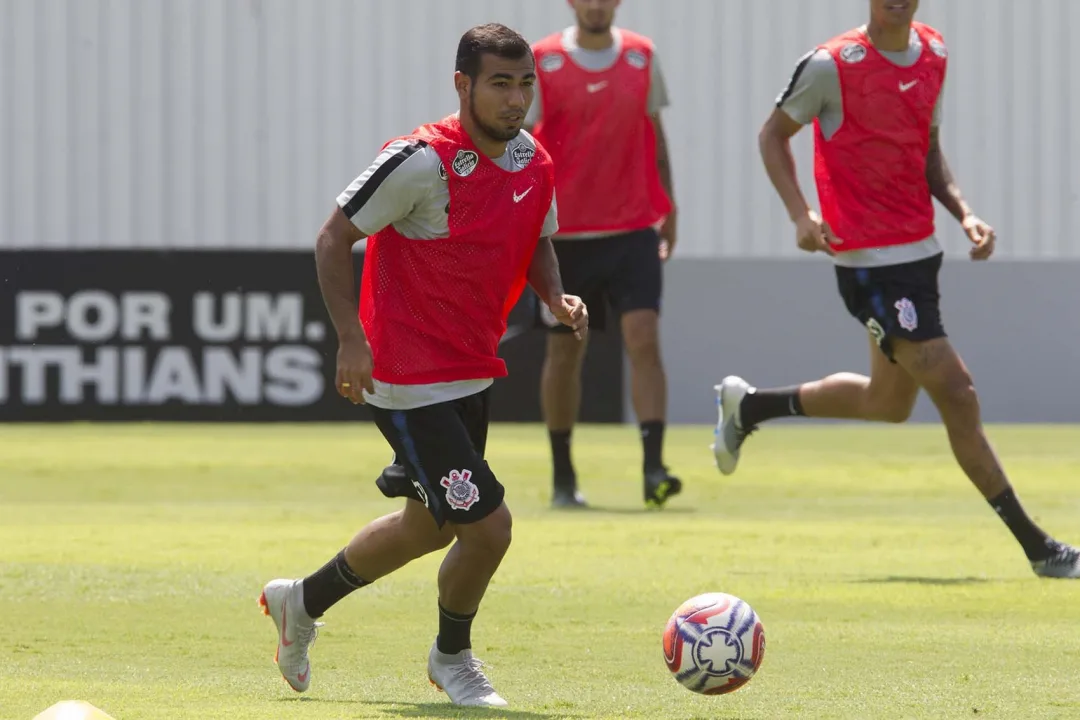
{"points": [[906, 314], [461, 492]]}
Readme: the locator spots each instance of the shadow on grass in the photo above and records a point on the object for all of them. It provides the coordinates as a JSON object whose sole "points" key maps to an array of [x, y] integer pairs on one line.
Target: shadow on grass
{"points": [[435, 709], [600, 510], [905, 580]]}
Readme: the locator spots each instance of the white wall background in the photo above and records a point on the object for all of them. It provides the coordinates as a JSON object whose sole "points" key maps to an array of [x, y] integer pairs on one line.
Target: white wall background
{"points": [[208, 123]]}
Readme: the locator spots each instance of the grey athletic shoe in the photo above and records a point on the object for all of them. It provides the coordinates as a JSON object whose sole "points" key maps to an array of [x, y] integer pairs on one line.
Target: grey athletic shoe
{"points": [[283, 602], [1064, 563], [729, 434], [461, 678]]}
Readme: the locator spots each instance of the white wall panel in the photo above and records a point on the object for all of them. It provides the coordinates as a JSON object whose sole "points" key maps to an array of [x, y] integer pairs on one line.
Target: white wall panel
{"points": [[235, 123]]}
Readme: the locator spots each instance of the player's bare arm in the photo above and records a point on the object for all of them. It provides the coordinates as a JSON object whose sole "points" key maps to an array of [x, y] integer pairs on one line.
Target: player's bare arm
{"points": [[544, 278], [944, 187], [774, 142], [668, 232], [334, 266]]}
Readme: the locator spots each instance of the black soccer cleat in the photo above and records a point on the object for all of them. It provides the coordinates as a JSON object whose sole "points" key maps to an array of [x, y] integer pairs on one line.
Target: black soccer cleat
{"points": [[566, 495], [659, 486]]}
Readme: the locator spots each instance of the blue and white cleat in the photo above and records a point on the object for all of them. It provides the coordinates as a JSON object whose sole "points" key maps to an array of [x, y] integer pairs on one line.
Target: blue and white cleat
{"points": [[730, 434]]}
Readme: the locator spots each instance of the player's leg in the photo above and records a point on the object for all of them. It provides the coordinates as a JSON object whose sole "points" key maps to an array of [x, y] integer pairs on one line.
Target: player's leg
{"points": [[887, 395], [464, 577], [560, 377], [635, 289], [472, 502], [560, 403], [939, 370], [379, 549], [382, 547]]}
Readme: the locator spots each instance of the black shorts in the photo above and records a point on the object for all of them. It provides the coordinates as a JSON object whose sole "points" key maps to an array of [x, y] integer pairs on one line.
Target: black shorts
{"points": [[621, 271], [895, 301], [442, 449]]}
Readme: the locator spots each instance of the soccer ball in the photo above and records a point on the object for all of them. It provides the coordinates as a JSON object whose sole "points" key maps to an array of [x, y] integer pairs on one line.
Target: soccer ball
{"points": [[714, 643]]}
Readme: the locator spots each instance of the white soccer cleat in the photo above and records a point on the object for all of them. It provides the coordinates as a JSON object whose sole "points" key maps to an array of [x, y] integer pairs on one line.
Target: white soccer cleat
{"points": [[461, 678], [283, 601], [730, 434], [1063, 564]]}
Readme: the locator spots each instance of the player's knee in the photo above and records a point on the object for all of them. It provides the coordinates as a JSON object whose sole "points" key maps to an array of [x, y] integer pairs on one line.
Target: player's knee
{"points": [[644, 352], [437, 541], [420, 532], [564, 352], [642, 337], [891, 411], [492, 535], [958, 392]]}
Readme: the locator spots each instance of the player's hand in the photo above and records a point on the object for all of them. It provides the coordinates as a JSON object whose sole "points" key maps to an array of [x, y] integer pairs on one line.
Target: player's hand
{"points": [[354, 368], [668, 236], [571, 311], [812, 234], [981, 235]]}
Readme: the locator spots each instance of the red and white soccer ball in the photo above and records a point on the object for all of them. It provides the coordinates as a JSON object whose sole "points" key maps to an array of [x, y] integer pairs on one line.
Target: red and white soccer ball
{"points": [[714, 643]]}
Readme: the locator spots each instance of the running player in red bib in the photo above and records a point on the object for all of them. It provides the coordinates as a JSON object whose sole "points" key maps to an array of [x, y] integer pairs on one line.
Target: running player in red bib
{"points": [[600, 94], [458, 217], [873, 95]]}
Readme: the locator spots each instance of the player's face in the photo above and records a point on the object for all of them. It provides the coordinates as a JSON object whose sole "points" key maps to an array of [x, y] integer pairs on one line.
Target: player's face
{"points": [[501, 95], [893, 12], [595, 16]]}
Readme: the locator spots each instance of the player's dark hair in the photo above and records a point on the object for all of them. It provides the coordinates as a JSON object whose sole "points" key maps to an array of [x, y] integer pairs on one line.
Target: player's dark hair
{"points": [[490, 39]]}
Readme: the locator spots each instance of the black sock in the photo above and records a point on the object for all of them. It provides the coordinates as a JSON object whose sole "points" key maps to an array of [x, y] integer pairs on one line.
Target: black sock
{"points": [[1035, 542], [560, 456], [761, 405], [652, 442], [455, 632], [329, 584]]}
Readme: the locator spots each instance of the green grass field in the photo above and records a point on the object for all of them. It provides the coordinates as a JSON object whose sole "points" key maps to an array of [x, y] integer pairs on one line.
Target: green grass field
{"points": [[132, 557]]}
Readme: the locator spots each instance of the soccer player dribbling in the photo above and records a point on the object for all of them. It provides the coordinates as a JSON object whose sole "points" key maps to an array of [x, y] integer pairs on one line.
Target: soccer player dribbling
{"points": [[873, 95], [458, 216]]}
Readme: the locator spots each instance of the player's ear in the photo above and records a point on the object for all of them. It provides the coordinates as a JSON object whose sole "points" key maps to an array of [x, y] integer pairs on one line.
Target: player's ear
{"points": [[461, 84]]}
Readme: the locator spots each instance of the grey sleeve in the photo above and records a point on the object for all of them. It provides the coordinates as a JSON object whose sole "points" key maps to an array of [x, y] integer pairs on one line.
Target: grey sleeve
{"points": [[387, 192], [658, 92], [813, 87], [551, 220], [935, 120], [533, 116]]}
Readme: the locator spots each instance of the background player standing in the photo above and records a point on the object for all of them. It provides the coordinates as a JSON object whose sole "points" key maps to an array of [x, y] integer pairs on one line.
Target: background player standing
{"points": [[597, 112], [458, 216], [874, 97]]}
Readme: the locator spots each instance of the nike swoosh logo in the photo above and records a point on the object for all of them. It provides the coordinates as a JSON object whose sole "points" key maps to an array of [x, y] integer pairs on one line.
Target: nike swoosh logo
{"points": [[596, 87], [904, 87], [519, 198], [285, 642], [302, 677]]}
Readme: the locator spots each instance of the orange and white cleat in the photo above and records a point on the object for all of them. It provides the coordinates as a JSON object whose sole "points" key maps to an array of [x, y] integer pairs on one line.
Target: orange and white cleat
{"points": [[460, 676], [283, 602]]}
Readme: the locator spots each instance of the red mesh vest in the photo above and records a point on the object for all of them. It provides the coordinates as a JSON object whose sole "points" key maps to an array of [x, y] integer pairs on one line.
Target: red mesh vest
{"points": [[597, 129], [871, 175], [435, 310]]}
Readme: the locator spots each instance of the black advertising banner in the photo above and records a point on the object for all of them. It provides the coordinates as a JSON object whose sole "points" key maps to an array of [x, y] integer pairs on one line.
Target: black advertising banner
{"points": [[212, 336]]}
